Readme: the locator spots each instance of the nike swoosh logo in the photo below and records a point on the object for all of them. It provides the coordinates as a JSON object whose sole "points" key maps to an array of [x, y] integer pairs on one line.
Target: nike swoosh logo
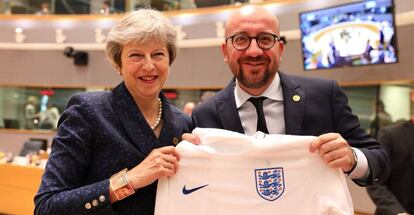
{"points": [[188, 191]]}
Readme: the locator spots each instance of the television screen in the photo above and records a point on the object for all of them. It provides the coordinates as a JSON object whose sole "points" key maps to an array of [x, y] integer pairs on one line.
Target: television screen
{"points": [[361, 33]]}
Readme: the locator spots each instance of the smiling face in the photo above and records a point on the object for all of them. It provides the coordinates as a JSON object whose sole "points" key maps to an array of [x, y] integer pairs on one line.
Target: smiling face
{"points": [[145, 68], [254, 67]]}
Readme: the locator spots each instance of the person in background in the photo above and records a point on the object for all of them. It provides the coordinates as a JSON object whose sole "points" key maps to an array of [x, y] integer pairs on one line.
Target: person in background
{"points": [[139, 4], [396, 195], [44, 9], [380, 120], [106, 8], [206, 95], [111, 147], [261, 98], [7, 7], [48, 119], [31, 113], [186, 4], [188, 108]]}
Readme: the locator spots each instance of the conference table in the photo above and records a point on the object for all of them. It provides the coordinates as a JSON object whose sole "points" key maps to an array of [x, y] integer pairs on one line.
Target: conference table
{"points": [[18, 186]]}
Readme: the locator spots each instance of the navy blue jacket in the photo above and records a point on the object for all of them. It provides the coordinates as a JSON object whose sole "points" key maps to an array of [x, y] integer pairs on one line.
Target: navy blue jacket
{"points": [[99, 134], [322, 108]]}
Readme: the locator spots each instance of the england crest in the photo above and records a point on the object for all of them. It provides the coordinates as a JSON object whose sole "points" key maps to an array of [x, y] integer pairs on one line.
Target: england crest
{"points": [[270, 183]]}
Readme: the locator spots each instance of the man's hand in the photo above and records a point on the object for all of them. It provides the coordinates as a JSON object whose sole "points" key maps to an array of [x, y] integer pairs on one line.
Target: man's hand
{"points": [[334, 150], [191, 138]]}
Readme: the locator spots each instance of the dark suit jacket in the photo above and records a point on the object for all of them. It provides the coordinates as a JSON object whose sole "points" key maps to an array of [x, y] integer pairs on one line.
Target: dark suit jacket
{"points": [[99, 134], [322, 108], [397, 194]]}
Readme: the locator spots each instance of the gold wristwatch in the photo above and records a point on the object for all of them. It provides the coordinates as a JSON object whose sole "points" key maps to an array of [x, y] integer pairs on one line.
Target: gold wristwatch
{"points": [[120, 185]]}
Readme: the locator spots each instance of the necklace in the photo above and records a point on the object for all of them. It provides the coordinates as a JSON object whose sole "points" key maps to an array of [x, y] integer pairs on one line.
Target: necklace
{"points": [[157, 122]]}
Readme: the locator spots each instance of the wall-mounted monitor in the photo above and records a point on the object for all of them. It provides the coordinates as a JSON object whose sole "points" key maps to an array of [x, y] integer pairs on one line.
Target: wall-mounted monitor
{"points": [[361, 33]]}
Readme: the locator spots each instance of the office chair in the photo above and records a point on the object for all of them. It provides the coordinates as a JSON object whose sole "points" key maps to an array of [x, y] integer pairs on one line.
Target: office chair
{"points": [[17, 9], [32, 146], [11, 123]]}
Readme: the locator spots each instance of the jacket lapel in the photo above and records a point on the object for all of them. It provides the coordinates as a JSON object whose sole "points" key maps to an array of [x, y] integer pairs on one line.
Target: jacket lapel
{"points": [[294, 104], [132, 119], [226, 105], [171, 129]]}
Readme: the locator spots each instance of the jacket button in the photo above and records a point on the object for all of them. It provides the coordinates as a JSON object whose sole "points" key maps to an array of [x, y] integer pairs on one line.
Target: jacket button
{"points": [[175, 141], [88, 206], [95, 202], [102, 198]]}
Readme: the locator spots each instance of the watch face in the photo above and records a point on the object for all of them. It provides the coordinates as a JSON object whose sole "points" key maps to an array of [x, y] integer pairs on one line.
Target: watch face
{"points": [[124, 192]]}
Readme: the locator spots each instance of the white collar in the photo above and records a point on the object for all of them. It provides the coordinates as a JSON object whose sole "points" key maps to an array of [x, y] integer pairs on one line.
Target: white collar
{"points": [[273, 92]]}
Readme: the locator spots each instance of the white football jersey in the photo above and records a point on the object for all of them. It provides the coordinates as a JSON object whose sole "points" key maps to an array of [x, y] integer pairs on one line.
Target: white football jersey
{"points": [[232, 173]]}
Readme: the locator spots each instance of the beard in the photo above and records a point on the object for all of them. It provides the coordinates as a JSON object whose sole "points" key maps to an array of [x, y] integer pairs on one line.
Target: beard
{"points": [[255, 84]]}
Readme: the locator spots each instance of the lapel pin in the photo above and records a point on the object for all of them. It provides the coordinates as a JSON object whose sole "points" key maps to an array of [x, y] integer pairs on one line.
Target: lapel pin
{"points": [[296, 98]]}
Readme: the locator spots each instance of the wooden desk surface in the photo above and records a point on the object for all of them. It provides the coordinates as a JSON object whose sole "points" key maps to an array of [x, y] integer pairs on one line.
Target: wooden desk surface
{"points": [[18, 186]]}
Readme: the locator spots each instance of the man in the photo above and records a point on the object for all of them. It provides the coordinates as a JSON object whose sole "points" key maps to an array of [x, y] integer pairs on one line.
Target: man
{"points": [[292, 105], [396, 195]]}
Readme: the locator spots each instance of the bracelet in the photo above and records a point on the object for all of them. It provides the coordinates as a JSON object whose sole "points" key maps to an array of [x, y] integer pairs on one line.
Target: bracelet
{"points": [[120, 185]]}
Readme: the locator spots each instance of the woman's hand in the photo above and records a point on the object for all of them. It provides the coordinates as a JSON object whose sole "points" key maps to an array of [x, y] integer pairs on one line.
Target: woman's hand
{"points": [[159, 163]]}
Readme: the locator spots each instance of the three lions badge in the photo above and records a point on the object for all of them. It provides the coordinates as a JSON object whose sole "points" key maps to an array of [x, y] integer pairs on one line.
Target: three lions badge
{"points": [[270, 183]]}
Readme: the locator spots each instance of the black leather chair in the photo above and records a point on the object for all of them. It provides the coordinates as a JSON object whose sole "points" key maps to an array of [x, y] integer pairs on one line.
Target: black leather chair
{"points": [[33, 146], [211, 3], [11, 123], [17, 9]]}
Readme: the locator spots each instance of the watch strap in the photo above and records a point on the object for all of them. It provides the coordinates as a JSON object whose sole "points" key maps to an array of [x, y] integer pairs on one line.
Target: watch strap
{"points": [[356, 162]]}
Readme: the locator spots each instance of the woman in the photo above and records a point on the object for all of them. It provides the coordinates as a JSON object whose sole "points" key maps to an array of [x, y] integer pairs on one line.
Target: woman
{"points": [[111, 147]]}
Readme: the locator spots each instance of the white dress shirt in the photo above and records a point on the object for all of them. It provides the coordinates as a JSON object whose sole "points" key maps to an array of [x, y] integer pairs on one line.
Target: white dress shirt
{"points": [[272, 108], [275, 119]]}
